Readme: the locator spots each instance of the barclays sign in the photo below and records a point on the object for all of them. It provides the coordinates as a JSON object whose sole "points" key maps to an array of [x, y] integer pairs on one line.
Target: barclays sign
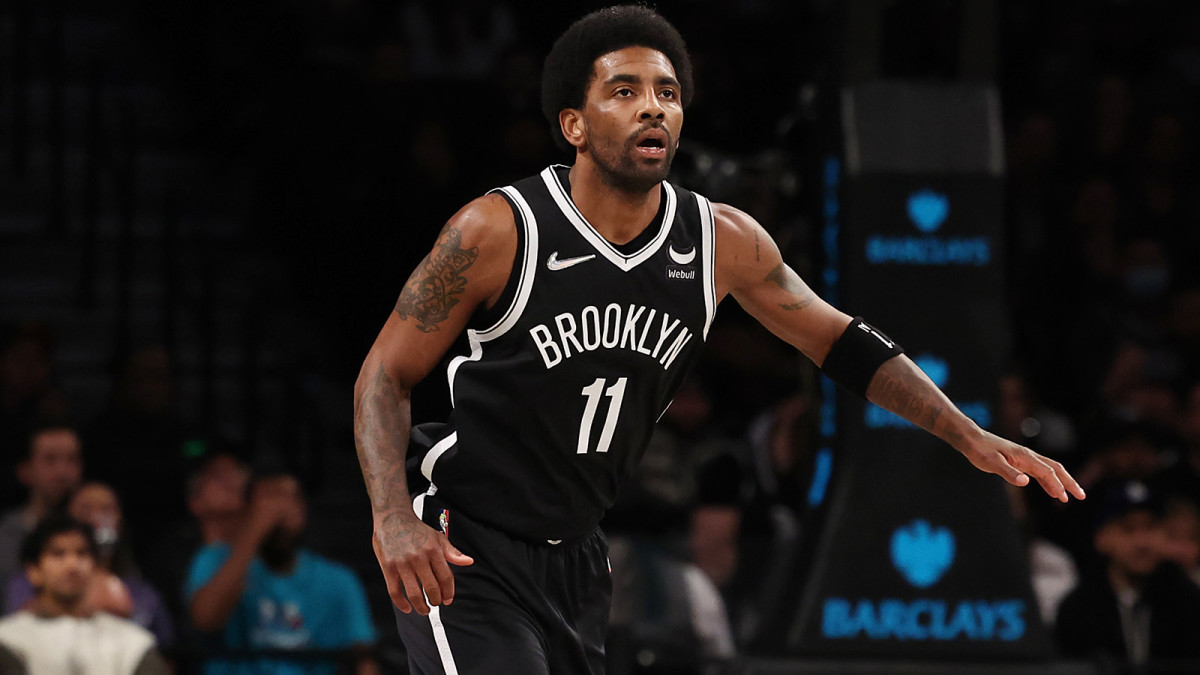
{"points": [[922, 554], [928, 210]]}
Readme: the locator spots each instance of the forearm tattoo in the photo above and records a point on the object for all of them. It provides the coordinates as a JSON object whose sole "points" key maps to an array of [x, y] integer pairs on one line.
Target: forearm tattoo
{"points": [[433, 289], [900, 387], [381, 427], [779, 276]]}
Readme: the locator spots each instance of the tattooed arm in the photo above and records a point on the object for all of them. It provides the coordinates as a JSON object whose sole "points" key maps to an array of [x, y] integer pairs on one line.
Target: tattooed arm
{"points": [[750, 267], [467, 268]]}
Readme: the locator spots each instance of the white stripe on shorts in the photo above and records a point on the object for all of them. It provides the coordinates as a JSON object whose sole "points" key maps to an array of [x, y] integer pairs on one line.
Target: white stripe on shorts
{"points": [[439, 638]]}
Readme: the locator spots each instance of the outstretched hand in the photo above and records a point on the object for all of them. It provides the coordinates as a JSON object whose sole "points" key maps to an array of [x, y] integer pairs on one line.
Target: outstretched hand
{"points": [[1016, 463], [415, 560]]}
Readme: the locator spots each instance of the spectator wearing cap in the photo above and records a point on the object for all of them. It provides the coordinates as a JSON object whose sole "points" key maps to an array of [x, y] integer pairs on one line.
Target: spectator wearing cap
{"points": [[1137, 608]]}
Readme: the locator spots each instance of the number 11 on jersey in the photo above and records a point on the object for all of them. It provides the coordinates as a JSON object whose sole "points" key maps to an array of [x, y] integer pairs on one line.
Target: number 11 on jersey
{"points": [[593, 392]]}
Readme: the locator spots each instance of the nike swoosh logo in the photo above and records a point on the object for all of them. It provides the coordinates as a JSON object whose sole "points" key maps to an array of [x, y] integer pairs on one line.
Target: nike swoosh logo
{"points": [[682, 258], [554, 264]]}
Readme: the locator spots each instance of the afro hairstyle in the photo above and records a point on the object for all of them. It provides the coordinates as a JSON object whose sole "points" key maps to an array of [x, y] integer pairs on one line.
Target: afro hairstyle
{"points": [[570, 64]]}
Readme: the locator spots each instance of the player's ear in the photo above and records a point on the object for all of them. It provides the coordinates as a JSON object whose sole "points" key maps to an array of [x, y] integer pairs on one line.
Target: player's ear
{"points": [[570, 121]]}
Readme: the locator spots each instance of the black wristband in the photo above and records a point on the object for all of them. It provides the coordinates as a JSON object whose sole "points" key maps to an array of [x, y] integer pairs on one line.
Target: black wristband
{"points": [[857, 354]]}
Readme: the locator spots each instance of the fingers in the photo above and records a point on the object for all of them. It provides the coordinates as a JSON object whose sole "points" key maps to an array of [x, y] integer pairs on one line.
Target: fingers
{"points": [[1008, 472], [429, 583], [422, 578], [455, 556], [392, 578], [1073, 485], [1046, 471], [412, 588], [444, 579], [1066, 479]]}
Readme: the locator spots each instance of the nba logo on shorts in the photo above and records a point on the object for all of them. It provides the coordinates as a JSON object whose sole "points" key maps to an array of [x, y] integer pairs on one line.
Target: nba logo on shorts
{"points": [[444, 521]]}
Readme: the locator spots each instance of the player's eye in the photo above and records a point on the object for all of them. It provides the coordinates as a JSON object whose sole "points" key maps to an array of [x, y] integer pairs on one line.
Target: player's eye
{"points": [[624, 91], [668, 93]]}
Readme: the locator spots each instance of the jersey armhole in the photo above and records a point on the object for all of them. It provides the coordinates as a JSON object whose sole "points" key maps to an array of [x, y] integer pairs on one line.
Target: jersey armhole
{"points": [[488, 316]]}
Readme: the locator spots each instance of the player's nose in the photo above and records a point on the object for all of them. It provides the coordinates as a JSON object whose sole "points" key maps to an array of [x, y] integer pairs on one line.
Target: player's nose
{"points": [[651, 108]]}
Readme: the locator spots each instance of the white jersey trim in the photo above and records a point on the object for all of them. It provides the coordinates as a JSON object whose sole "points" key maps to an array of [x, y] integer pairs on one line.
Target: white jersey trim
{"points": [[476, 338], [436, 452], [602, 245], [709, 256]]}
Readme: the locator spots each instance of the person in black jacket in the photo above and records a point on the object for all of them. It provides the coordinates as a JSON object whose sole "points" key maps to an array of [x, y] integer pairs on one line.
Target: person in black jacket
{"points": [[1137, 608]]}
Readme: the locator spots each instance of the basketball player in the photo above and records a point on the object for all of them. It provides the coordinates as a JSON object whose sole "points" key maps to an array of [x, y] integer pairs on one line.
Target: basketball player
{"points": [[586, 293]]}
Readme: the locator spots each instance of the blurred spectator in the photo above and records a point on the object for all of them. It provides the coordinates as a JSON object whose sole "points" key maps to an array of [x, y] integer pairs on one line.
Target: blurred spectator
{"points": [[27, 394], [263, 591], [216, 498], [51, 470], [1022, 418], [665, 604], [1135, 609], [137, 447], [1052, 571], [1140, 385], [1181, 535], [746, 531], [1184, 476], [61, 632], [661, 600], [1128, 451], [97, 505], [663, 490]]}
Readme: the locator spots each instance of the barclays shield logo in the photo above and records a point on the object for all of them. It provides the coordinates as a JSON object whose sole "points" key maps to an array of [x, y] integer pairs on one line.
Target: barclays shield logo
{"points": [[922, 553], [928, 209], [936, 368]]}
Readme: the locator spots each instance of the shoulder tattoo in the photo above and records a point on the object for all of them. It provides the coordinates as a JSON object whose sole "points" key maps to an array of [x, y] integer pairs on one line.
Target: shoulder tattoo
{"points": [[434, 288]]}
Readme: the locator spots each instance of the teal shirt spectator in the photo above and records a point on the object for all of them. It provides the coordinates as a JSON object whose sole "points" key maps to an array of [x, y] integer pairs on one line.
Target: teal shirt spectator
{"points": [[320, 605]]}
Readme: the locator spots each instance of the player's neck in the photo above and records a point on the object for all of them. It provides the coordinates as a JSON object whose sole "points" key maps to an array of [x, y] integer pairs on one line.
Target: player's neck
{"points": [[618, 216]]}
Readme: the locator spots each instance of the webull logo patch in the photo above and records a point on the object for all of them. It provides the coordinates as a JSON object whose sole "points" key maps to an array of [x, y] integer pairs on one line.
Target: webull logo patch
{"points": [[681, 272]]}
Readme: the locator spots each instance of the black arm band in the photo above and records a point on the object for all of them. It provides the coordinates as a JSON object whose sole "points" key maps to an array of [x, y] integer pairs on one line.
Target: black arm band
{"points": [[857, 354]]}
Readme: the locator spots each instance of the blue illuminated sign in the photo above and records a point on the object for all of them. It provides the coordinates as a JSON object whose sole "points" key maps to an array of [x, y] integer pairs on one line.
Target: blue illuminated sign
{"points": [[923, 619], [922, 553], [935, 367], [822, 472], [928, 210]]}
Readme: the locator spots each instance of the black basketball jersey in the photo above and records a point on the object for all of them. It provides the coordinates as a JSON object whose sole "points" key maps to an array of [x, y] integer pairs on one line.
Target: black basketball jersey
{"points": [[555, 402]]}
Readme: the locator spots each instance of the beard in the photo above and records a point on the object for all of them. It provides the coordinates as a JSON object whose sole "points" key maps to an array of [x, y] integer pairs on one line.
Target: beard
{"points": [[279, 548], [620, 170]]}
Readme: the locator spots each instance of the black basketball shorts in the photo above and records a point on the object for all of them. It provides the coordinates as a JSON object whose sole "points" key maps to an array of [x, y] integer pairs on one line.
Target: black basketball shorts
{"points": [[523, 608]]}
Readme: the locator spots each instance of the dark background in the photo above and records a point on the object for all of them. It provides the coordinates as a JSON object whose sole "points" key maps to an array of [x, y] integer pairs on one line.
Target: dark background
{"points": [[242, 189]]}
